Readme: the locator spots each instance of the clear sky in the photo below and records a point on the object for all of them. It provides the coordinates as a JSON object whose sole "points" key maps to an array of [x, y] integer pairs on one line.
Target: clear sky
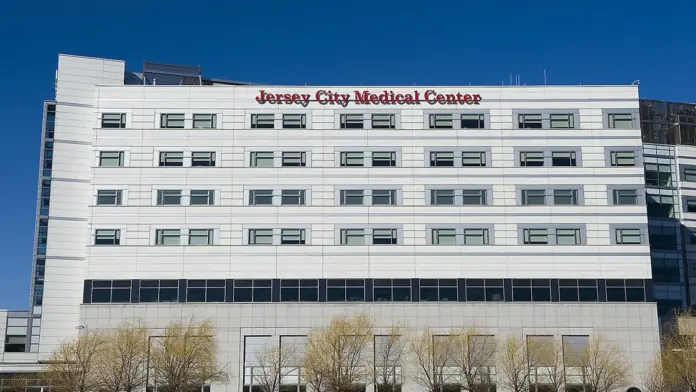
{"points": [[323, 42]]}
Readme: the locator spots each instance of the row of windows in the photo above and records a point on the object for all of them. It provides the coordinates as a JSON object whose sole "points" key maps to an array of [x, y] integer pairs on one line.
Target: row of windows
{"points": [[373, 121], [374, 159], [374, 236], [368, 290]]}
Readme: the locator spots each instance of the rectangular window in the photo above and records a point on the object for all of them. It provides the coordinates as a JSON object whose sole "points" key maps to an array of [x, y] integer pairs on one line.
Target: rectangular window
{"points": [[533, 197], [111, 159], [442, 197], [352, 121], [620, 120], [262, 159], [568, 236], [204, 121], [628, 236], [535, 236], [531, 158], [200, 237], [294, 159], [474, 197], [472, 121], [108, 197], [169, 197], [691, 206], [350, 159], [658, 174], [263, 120], [352, 197], [383, 197], [113, 120], [529, 121], [260, 236], [474, 159], [168, 237], [199, 158], [107, 237], [444, 236], [383, 121], [475, 236], [202, 197], [352, 237], [563, 158], [205, 291], [171, 158], [172, 121], [565, 197], [623, 158], [689, 175], [293, 197], [261, 197], [384, 159], [442, 159], [294, 121], [292, 237], [562, 121], [384, 236], [441, 121]]}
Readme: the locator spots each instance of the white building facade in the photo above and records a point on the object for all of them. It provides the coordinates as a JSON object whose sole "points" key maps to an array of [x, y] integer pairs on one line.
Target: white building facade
{"points": [[271, 209]]}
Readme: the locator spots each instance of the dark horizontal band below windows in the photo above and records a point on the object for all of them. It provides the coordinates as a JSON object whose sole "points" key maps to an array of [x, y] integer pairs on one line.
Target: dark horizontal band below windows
{"points": [[366, 290]]}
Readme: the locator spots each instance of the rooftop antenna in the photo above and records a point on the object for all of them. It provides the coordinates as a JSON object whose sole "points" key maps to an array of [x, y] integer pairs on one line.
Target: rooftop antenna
{"points": [[510, 78], [544, 76], [635, 83]]}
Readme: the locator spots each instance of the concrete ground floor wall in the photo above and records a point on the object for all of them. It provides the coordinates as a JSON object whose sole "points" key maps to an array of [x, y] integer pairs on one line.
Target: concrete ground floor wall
{"points": [[633, 326]]}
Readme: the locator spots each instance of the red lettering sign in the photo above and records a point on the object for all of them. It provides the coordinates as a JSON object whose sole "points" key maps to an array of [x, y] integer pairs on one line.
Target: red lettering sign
{"points": [[367, 97]]}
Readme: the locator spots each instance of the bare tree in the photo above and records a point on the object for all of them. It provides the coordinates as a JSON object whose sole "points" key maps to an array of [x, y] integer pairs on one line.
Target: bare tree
{"points": [[387, 365], [273, 364], [603, 365], [121, 362], [185, 357], [432, 356], [73, 365], [513, 365], [547, 372], [475, 360], [678, 360], [654, 379], [336, 358]]}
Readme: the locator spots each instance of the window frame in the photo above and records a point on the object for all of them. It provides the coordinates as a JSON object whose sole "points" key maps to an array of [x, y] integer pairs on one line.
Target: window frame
{"points": [[209, 235], [346, 156], [103, 234], [615, 157], [344, 197], [530, 120], [569, 118], [174, 156], [257, 233], [389, 117], [289, 158], [391, 194], [210, 118], [352, 121], [300, 195], [117, 196], [289, 120], [165, 120], [120, 157], [162, 235], [435, 157], [164, 194], [478, 118], [210, 197], [612, 120], [119, 122], [262, 121], [619, 236], [263, 156], [256, 195], [441, 120]]}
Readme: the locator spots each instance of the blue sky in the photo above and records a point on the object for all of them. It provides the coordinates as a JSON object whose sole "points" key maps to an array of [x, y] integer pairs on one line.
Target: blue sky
{"points": [[323, 42]]}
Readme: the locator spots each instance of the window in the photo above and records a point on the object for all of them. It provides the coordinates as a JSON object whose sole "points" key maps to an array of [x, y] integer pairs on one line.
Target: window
{"points": [[689, 175], [531, 158], [620, 120], [352, 121], [302, 290], [475, 236], [113, 120], [108, 197], [200, 237], [107, 237], [294, 121], [204, 121], [169, 197], [171, 158], [529, 121], [533, 197], [658, 175], [691, 205], [485, 290], [352, 197], [263, 121], [202, 197], [660, 206], [623, 158], [562, 121], [473, 159], [343, 290], [628, 236], [384, 159], [444, 236], [168, 237], [292, 237], [474, 197], [563, 158], [205, 290], [352, 159], [111, 291], [202, 158], [392, 290], [441, 158], [565, 197], [352, 237], [384, 236], [472, 121], [538, 290], [577, 290], [293, 197], [438, 289], [535, 236], [441, 121], [260, 236], [294, 159], [384, 197], [256, 290], [383, 121], [111, 159], [159, 290], [568, 236], [442, 197], [262, 159], [261, 197], [662, 237], [172, 121]]}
